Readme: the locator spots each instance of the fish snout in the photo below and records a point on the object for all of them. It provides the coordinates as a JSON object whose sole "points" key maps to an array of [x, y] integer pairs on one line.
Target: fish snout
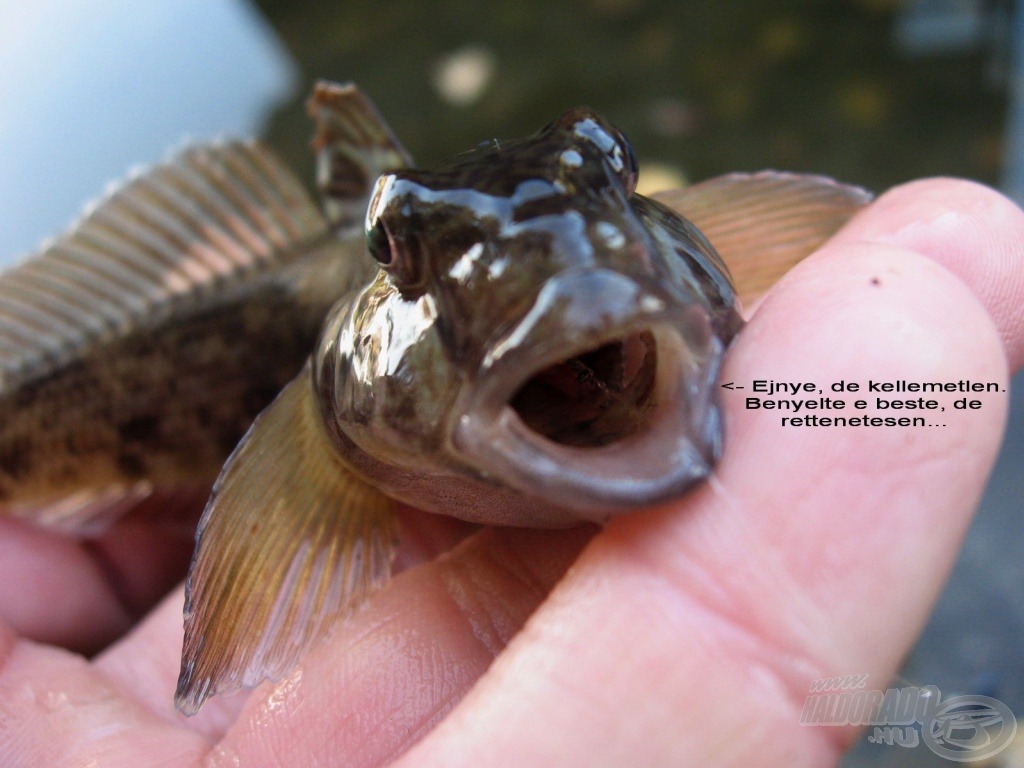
{"points": [[601, 399]]}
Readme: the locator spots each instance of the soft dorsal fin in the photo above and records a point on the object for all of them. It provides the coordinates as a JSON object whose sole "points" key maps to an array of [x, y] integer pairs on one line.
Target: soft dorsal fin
{"points": [[762, 224], [289, 540], [353, 147], [178, 230]]}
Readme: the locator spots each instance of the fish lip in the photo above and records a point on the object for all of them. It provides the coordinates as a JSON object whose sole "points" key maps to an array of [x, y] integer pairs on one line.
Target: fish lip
{"points": [[677, 445]]}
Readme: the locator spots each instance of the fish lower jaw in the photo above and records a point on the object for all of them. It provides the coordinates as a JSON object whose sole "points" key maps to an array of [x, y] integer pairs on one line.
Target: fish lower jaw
{"points": [[628, 423]]}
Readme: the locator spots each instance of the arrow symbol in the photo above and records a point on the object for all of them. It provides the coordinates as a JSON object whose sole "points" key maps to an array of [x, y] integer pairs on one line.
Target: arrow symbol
{"points": [[730, 385]]}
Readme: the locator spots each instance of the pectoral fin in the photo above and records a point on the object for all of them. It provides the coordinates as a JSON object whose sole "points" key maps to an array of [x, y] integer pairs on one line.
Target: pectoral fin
{"points": [[763, 224], [353, 147], [290, 540]]}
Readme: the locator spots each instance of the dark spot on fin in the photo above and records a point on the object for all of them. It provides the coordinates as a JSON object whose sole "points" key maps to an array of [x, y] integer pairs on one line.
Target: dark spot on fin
{"points": [[762, 224], [325, 539]]}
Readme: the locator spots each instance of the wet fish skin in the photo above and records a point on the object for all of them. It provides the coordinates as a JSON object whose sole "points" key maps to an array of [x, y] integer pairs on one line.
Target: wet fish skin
{"points": [[520, 339], [474, 245], [539, 347]]}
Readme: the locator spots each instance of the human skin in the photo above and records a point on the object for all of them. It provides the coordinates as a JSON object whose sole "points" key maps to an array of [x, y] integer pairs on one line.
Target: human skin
{"points": [[685, 634]]}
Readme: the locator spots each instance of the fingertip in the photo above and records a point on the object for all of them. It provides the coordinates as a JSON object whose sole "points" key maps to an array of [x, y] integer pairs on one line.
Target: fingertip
{"points": [[54, 591], [971, 229], [905, 215], [948, 190], [862, 311], [837, 497]]}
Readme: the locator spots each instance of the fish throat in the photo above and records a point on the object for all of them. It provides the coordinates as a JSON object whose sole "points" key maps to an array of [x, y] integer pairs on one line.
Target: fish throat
{"points": [[596, 397]]}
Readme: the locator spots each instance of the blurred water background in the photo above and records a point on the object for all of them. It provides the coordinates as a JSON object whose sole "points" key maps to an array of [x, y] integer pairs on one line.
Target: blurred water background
{"points": [[871, 91]]}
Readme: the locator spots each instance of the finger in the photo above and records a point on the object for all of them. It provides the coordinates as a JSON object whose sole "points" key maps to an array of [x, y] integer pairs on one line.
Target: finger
{"points": [[146, 662], [144, 666], [422, 537], [822, 556], [56, 709], [54, 591], [384, 689], [397, 667], [84, 593], [975, 232]]}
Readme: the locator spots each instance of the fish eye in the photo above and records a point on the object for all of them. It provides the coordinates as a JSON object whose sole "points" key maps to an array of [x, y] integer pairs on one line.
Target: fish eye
{"points": [[398, 256], [380, 243]]}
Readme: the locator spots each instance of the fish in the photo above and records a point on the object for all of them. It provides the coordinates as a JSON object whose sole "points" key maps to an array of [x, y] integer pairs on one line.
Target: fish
{"points": [[513, 336]]}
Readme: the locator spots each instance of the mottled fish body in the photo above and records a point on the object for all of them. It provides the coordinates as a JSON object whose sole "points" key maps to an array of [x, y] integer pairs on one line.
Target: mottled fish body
{"points": [[512, 337]]}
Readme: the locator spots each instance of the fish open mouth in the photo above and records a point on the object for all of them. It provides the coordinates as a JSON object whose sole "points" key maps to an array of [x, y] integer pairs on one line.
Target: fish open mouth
{"points": [[593, 398], [597, 412]]}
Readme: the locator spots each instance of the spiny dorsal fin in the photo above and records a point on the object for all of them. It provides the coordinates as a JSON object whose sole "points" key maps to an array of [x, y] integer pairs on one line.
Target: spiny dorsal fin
{"points": [[180, 229], [289, 541], [762, 224], [353, 147]]}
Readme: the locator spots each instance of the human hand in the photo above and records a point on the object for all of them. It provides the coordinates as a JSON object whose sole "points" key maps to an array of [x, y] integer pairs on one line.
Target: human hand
{"points": [[686, 634]]}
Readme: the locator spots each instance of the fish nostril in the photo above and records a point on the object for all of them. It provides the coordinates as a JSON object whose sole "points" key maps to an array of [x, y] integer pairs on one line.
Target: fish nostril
{"points": [[595, 397]]}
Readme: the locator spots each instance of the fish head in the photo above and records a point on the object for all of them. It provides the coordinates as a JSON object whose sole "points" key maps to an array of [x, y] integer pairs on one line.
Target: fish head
{"points": [[536, 331]]}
